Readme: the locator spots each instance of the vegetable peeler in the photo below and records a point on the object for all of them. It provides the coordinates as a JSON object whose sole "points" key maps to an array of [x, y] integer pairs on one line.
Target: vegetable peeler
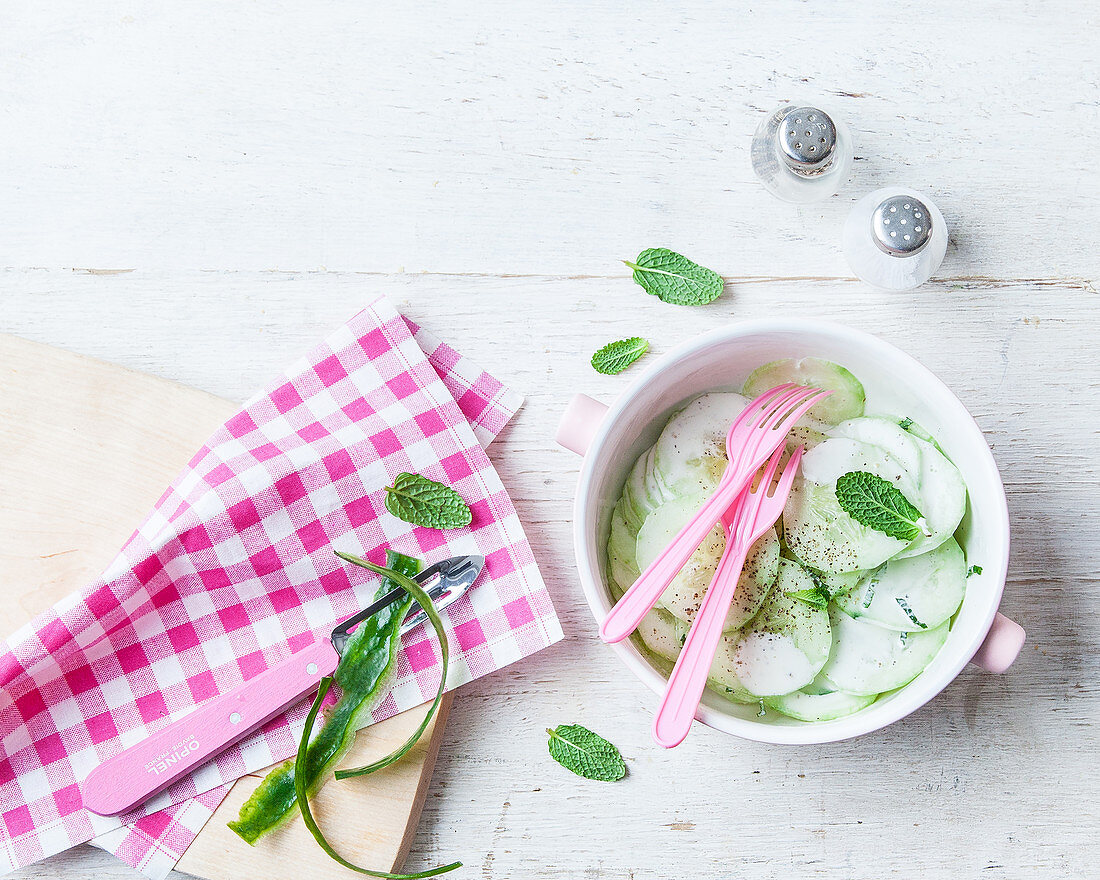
{"points": [[148, 767]]}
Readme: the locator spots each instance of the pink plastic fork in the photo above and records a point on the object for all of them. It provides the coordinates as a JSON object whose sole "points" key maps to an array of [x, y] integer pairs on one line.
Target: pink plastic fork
{"points": [[755, 434], [746, 521]]}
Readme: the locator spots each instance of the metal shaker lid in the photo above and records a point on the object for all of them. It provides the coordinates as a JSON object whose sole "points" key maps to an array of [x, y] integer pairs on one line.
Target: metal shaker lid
{"points": [[901, 226], [807, 138]]}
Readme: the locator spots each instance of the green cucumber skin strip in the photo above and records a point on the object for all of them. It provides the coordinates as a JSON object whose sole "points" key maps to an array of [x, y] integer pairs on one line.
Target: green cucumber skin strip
{"points": [[415, 592], [362, 673], [300, 786]]}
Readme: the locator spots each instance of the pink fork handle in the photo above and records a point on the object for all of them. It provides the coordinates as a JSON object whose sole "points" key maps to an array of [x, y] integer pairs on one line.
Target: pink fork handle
{"points": [[689, 676], [137, 773], [635, 603]]}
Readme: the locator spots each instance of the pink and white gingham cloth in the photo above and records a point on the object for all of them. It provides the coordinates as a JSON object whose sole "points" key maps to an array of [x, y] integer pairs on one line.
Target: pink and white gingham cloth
{"points": [[234, 568]]}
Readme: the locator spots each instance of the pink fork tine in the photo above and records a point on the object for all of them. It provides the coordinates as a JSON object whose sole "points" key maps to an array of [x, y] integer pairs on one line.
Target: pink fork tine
{"points": [[758, 431], [757, 512]]}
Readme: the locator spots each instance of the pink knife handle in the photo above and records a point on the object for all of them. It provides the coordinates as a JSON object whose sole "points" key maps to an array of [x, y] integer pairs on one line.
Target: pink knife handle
{"points": [[137, 773], [689, 676], [635, 603]]}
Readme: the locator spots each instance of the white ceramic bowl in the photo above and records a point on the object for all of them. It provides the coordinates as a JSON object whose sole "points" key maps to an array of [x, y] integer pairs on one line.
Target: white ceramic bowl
{"points": [[612, 438]]}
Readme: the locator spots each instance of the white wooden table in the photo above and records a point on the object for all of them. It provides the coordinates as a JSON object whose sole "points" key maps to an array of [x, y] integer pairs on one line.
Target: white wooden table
{"points": [[201, 190]]}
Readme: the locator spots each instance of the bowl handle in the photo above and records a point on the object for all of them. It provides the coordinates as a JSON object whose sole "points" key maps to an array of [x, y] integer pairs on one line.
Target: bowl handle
{"points": [[579, 423], [1001, 646]]}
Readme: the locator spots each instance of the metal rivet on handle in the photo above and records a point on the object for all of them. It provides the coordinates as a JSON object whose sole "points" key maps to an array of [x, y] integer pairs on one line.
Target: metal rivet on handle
{"points": [[235, 718], [807, 138], [901, 226], [312, 669]]}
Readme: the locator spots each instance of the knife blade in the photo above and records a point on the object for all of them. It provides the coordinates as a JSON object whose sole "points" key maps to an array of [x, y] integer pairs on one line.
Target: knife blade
{"points": [[149, 766]]}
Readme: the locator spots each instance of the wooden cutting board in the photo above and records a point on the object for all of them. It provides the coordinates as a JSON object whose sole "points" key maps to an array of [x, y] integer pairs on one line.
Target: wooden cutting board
{"points": [[86, 449]]}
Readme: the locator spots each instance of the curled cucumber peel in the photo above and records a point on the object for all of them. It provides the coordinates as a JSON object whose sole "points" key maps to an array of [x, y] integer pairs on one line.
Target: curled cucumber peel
{"points": [[364, 674]]}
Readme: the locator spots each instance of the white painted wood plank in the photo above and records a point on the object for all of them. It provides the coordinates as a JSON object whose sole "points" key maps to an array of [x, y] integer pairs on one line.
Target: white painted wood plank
{"points": [[995, 772], [506, 137]]}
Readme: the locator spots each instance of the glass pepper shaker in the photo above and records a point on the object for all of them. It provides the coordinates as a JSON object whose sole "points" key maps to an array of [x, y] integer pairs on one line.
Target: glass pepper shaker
{"points": [[802, 154], [895, 238]]}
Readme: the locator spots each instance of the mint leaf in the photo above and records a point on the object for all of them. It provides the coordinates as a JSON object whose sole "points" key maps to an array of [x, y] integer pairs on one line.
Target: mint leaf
{"points": [[974, 569], [878, 504], [909, 611], [673, 278], [585, 753], [424, 502], [818, 597], [818, 578], [617, 356]]}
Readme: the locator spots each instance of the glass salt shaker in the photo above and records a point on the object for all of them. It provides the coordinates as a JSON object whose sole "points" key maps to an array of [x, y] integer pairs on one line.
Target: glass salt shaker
{"points": [[895, 238], [802, 154]]}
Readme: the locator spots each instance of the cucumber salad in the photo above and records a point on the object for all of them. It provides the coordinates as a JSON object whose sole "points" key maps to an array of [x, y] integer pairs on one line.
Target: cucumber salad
{"points": [[850, 595]]}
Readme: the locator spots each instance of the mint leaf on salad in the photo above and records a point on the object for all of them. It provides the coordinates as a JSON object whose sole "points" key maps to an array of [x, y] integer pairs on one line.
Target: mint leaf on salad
{"points": [[423, 502], [617, 356], [818, 597], [585, 753], [878, 504], [673, 278]]}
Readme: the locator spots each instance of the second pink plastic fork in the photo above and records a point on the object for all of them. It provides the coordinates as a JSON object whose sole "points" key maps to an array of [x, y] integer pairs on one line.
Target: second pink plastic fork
{"points": [[755, 434], [746, 521]]}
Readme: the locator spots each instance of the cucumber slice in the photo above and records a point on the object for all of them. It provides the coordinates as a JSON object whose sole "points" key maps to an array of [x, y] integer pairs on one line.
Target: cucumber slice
{"points": [[622, 547], [816, 528], [657, 490], [942, 498], [916, 430], [835, 582], [885, 434], [787, 643], [685, 594], [837, 456], [918, 592], [691, 451], [868, 659], [821, 534], [648, 495], [723, 677], [642, 493], [633, 510], [819, 701], [807, 432], [845, 403], [839, 583], [663, 635]]}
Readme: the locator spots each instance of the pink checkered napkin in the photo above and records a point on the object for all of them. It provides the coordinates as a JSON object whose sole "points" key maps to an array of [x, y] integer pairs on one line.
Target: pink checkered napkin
{"points": [[233, 569]]}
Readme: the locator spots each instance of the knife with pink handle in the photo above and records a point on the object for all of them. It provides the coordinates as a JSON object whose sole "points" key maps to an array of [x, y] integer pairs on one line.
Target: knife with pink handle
{"points": [[148, 767]]}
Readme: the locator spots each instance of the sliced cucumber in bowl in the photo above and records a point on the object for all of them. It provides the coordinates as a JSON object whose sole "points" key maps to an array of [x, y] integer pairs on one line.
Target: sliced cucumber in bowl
{"points": [[837, 456], [942, 498], [622, 549], [785, 646], [819, 701], [690, 455], [911, 593], [662, 633], [685, 594], [886, 435], [890, 601], [846, 401], [663, 636], [815, 526], [870, 659]]}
